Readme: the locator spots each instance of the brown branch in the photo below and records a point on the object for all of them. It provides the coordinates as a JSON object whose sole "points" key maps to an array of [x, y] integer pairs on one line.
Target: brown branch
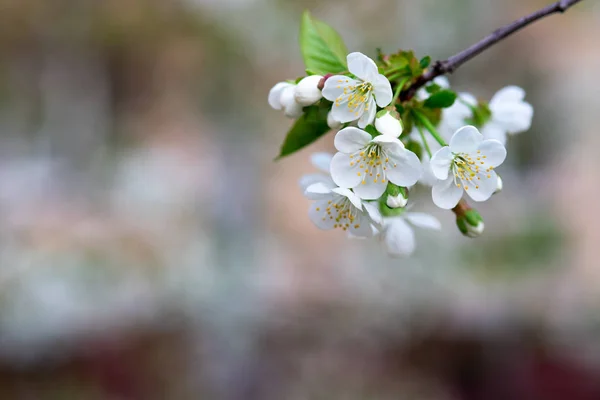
{"points": [[451, 64]]}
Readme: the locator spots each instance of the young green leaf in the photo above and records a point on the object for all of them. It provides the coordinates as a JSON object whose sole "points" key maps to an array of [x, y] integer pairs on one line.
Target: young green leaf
{"points": [[323, 49], [425, 61], [433, 88], [441, 99], [308, 128]]}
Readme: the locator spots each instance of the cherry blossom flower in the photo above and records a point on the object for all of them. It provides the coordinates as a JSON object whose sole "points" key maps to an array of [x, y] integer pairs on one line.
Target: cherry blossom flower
{"points": [[357, 99], [366, 164], [467, 164]]}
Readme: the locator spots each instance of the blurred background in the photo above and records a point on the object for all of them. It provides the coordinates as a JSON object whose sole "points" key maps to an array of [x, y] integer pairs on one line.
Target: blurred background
{"points": [[150, 248]]}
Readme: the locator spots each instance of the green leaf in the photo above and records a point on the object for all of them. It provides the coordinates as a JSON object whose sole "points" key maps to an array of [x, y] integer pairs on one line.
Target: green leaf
{"points": [[370, 129], [323, 49], [308, 128], [433, 88], [425, 61], [441, 99]]}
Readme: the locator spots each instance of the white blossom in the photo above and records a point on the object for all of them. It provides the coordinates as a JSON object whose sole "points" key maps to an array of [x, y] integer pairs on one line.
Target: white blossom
{"points": [[357, 99], [398, 235], [366, 164], [336, 207], [283, 96], [467, 164], [307, 91], [511, 114], [386, 124]]}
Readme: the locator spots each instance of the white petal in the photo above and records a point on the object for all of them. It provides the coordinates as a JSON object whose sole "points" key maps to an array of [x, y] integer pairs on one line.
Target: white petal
{"points": [[492, 130], [334, 86], [318, 191], [293, 111], [382, 89], [407, 169], [440, 163], [288, 100], [482, 189], [306, 180], [369, 189], [318, 215], [465, 140], [275, 95], [351, 139], [374, 232], [332, 122], [344, 174], [307, 91], [354, 199], [389, 142], [341, 110], [399, 237], [423, 220], [368, 115], [446, 194], [362, 66], [494, 152], [514, 117], [321, 160], [373, 212], [508, 94], [361, 227]]}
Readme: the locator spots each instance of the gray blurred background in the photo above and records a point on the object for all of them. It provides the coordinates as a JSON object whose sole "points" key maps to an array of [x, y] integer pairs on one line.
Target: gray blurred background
{"points": [[151, 249]]}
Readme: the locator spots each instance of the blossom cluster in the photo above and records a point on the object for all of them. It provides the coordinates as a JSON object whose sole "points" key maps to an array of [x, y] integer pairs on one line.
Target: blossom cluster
{"points": [[454, 145]]}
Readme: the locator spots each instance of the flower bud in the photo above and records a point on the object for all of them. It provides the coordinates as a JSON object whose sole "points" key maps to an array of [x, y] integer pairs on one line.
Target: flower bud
{"points": [[499, 185], [398, 201], [291, 108], [386, 124], [470, 223], [396, 196], [275, 94], [333, 123], [307, 90]]}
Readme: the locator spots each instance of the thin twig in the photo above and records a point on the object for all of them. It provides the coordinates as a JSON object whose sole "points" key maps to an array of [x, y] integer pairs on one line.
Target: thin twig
{"points": [[452, 63]]}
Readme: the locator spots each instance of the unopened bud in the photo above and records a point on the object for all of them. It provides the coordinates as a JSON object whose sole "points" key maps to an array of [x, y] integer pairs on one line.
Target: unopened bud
{"points": [[307, 90], [386, 124], [275, 94], [332, 122], [396, 201], [291, 108], [470, 223], [397, 196], [499, 185]]}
